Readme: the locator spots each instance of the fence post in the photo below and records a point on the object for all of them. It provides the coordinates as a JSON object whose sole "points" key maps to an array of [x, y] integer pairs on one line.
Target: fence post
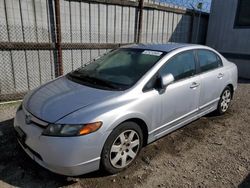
{"points": [[58, 37], [53, 33], [140, 7]]}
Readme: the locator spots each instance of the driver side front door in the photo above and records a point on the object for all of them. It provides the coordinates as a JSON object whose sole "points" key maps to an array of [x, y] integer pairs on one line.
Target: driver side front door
{"points": [[180, 100]]}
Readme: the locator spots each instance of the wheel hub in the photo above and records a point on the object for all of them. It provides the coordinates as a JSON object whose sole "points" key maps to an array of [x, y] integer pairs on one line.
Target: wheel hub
{"points": [[226, 99], [124, 149]]}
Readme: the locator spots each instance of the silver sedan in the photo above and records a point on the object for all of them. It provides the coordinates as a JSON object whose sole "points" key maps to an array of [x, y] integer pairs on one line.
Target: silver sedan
{"points": [[100, 115]]}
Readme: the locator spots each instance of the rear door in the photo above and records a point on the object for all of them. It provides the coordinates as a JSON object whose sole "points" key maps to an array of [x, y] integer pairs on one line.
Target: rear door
{"points": [[212, 77]]}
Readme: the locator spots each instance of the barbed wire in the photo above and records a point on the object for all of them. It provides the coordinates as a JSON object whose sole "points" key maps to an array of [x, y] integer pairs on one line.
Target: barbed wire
{"points": [[190, 4]]}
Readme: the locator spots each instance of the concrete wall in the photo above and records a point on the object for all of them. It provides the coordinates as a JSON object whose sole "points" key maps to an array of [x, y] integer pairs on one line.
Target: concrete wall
{"points": [[225, 38]]}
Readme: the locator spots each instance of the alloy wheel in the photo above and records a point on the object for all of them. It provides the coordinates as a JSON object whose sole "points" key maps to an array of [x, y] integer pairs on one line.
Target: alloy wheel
{"points": [[124, 149], [226, 99]]}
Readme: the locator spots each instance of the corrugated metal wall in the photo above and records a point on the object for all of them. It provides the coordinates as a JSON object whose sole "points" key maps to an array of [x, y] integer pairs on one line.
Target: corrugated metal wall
{"points": [[81, 22]]}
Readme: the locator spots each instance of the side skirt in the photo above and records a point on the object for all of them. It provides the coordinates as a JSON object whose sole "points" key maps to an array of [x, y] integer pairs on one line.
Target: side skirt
{"points": [[176, 125]]}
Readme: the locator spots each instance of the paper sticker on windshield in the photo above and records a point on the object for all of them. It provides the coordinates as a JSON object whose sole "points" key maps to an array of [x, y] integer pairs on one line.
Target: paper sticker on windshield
{"points": [[155, 53]]}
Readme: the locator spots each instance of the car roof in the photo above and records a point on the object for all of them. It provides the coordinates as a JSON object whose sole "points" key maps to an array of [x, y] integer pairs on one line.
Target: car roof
{"points": [[159, 47]]}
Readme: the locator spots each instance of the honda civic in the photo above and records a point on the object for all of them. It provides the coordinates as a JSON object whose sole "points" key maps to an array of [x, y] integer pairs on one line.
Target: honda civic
{"points": [[99, 116]]}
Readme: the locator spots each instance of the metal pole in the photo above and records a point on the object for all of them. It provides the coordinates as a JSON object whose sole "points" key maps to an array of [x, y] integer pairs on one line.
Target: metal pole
{"points": [[58, 37], [140, 20], [52, 30]]}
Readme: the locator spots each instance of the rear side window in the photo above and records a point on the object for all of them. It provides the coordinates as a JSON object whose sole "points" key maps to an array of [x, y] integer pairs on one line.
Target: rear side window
{"points": [[181, 65], [208, 60]]}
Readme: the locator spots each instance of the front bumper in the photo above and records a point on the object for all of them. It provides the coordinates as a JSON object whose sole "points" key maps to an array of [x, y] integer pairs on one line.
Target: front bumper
{"points": [[70, 156]]}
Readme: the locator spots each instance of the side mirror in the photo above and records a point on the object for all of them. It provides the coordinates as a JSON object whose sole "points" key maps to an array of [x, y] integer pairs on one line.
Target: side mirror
{"points": [[166, 80]]}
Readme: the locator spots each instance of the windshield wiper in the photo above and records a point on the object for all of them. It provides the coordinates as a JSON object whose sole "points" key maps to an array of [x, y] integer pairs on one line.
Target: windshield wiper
{"points": [[93, 80], [101, 82]]}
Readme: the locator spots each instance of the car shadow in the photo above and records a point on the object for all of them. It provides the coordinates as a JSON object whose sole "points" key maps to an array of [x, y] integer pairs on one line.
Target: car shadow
{"points": [[243, 81], [18, 169], [15, 165], [245, 183]]}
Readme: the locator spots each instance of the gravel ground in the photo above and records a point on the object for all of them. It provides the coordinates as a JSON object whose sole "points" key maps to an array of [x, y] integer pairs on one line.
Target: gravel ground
{"points": [[210, 152]]}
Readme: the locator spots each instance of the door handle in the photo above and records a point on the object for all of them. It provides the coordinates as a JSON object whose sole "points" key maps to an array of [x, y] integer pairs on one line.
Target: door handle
{"points": [[194, 85], [220, 75]]}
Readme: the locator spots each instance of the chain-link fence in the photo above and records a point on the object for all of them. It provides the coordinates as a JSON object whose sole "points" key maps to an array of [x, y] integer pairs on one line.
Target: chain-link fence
{"points": [[42, 39]]}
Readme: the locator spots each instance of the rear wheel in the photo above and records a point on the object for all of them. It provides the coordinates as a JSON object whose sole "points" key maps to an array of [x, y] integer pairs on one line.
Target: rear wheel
{"points": [[224, 101], [122, 147]]}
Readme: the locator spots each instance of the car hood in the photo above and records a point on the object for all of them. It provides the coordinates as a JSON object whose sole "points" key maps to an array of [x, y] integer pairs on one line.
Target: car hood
{"points": [[61, 97]]}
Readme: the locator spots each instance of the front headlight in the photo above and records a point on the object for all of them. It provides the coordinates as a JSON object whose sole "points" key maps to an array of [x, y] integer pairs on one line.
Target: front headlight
{"points": [[71, 130]]}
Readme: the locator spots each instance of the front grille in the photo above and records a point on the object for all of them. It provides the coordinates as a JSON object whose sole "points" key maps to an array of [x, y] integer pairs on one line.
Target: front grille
{"points": [[39, 124], [30, 118]]}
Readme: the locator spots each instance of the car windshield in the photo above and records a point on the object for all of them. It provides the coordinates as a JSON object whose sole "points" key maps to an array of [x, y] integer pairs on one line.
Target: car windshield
{"points": [[117, 70]]}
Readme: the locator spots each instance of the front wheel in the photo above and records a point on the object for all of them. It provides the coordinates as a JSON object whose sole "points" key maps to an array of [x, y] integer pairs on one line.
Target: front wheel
{"points": [[224, 101], [122, 147]]}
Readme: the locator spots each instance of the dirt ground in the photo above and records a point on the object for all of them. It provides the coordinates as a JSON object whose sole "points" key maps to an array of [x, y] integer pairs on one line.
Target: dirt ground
{"points": [[210, 152]]}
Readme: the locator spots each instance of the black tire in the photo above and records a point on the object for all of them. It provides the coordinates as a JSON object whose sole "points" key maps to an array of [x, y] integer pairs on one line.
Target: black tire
{"points": [[106, 155], [220, 109]]}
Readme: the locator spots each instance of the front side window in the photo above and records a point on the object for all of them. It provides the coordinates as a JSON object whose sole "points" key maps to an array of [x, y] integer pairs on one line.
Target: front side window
{"points": [[181, 65], [119, 69], [242, 18], [208, 60]]}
